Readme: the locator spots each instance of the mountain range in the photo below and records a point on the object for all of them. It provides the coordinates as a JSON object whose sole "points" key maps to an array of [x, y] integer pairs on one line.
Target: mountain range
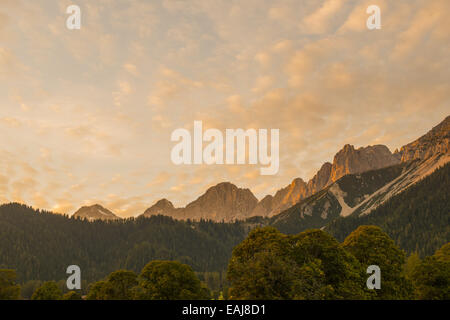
{"points": [[405, 193], [95, 212], [343, 180], [358, 194]]}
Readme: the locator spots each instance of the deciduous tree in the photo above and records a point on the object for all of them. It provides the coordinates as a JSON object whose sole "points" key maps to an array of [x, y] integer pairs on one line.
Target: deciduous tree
{"points": [[48, 291], [432, 276], [371, 246], [170, 280]]}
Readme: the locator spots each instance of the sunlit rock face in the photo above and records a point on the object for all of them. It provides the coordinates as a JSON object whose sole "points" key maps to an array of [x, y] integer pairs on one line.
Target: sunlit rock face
{"points": [[222, 202], [347, 161], [95, 212], [162, 207], [436, 141], [350, 160]]}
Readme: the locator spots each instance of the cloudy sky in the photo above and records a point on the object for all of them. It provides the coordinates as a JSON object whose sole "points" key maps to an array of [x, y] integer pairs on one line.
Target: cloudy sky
{"points": [[86, 115]]}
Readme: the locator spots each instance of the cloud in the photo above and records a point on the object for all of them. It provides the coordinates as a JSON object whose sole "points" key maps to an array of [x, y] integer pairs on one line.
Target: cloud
{"points": [[4, 20], [124, 206], [282, 46], [11, 122], [160, 180], [279, 13], [171, 86], [91, 112], [80, 131], [429, 21], [63, 206], [10, 66], [4, 184], [263, 58], [131, 68], [235, 104], [320, 20], [179, 187], [262, 84], [161, 122], [39, 201], [356, 20], [20, 187], [125, 87]]}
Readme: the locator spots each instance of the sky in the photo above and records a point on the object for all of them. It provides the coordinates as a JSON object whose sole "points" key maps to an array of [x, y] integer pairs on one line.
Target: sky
{"points": [[86, 115]]}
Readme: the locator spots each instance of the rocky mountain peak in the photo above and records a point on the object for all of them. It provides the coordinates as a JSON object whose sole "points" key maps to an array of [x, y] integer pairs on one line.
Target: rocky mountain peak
{"points": [[347, 161], [348, 148], [320, 179], [350, 160], [223, 187], [283, 199], [224, 201], [95, 212], [293, 192], [163, 207]]}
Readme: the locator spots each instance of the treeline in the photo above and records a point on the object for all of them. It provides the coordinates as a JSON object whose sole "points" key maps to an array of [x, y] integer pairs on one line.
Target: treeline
{"points": [[158, 280], [269, 265], [418, 219], [41, 245]]}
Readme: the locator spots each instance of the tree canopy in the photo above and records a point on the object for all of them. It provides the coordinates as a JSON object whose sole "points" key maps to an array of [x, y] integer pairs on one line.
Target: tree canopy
{"points": [[9, 290], [48, 291], [432, 276], [310, 265], [371, 246], [170, 280]]}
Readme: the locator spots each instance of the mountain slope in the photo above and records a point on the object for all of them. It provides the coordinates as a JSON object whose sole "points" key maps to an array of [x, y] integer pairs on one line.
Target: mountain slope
{"points": [[416, 171], [350, 160], [227, 202], [418, 219], [347, 161], [336, 200], [359, 194]]}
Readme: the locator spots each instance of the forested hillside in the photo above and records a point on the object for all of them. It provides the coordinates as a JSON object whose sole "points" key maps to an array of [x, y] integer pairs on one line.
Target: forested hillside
{"points": [[40, 245], [418, 219], [324, 206]]}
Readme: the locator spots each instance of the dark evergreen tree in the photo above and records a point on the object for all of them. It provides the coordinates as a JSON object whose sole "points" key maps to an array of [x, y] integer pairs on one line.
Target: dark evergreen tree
{"points": [[48, 291], [170, 280]]}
